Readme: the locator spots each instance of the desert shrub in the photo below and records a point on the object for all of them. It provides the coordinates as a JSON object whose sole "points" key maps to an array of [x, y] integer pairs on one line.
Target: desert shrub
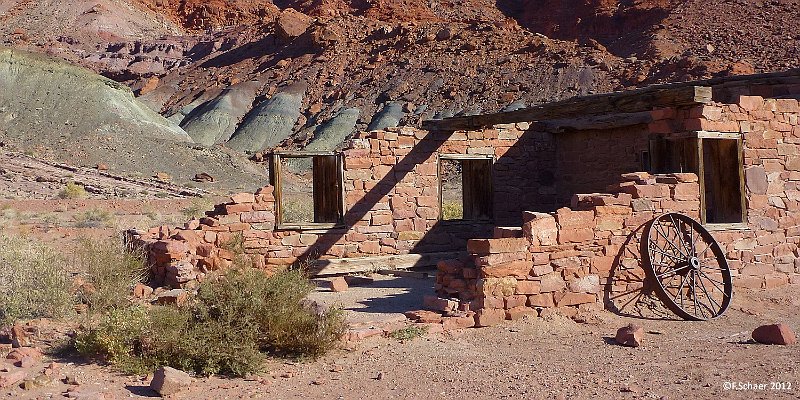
{"points": [[110, 271], [94, 219], [452, 210], [34, 281], [72, 191], [273, 304], [224, 329]]}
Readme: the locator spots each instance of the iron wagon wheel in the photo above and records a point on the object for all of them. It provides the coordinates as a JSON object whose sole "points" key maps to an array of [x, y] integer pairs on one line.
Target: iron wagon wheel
{"points": [[687, 266]]}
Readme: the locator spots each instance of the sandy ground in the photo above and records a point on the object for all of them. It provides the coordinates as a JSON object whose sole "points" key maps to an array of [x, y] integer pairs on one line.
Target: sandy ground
{"points": [[532, 358]]}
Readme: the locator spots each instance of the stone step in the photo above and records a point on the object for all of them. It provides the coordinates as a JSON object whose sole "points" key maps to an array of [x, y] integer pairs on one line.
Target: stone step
{"points": [[502, 232]]}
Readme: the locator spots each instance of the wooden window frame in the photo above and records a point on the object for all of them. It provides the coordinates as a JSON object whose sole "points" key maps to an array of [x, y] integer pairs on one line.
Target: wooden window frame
{"points": [[275, 178], [697, 137], [701, 135], [466, 157]]}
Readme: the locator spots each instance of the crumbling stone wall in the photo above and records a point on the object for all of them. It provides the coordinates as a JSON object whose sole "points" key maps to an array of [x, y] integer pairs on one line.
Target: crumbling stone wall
{"points": [[391, 207], [577, 257]]}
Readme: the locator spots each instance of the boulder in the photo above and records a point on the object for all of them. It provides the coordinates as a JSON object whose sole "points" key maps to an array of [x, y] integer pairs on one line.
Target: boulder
{"points": [[630, 335], [18, 337], [780, 334], [291, 24], [167, 381]]}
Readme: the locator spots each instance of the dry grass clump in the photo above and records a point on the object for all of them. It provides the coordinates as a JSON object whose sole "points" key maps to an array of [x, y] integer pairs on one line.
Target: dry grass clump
{"points": [[298, 210], [197, 208], [108, 272], [452, 211], [94, 219], [34, 281]]}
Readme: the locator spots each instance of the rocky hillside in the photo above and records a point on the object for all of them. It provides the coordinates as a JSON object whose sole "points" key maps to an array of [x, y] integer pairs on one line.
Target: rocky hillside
{"points": [[54, 110], [258, 74]]}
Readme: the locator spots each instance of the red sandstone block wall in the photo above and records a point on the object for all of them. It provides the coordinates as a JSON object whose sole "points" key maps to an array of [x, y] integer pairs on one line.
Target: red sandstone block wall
{"points": [[766, 253], [391, 194], [578, 257]]}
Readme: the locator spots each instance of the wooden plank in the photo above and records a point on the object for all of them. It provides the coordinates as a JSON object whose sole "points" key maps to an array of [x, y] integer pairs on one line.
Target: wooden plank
{"points": [[299, 154], [595, 122], [389, 262], [717, 135], [326, 189], [737, 226], [723, 197], [465, 157], [632, 101]]}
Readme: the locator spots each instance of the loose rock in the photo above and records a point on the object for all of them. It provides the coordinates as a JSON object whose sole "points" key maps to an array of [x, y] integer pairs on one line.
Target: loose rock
{"points": [[780, 334], [630, 335], [338, 284], [167, 381]]}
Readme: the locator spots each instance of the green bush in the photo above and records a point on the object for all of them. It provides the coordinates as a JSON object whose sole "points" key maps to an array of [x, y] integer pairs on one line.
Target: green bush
{"points": [[34, 281], [110, 270], [409, 332], [72, 191], [224, 329]]}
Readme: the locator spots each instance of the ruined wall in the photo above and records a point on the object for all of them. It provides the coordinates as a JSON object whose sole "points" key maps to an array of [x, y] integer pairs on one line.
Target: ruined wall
{"points": [[589, 254], [391, 194], [583, 256]]}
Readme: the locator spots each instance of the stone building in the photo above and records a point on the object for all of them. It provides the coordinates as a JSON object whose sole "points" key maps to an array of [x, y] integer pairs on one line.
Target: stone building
{"points": [[533, 208]]}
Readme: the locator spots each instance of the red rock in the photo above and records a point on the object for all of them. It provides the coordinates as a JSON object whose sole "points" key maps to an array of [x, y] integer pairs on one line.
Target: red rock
{"points": [[450, 323], [424, 316], [780, 334], [243, 198], [18, 336], [519, 312], [338, 284], [167, 381], [176, 297], [22, 352], [26, 362], [630, 335], [291, 24], [9, 379], [438, 304], [142, 291], [489, 316]]}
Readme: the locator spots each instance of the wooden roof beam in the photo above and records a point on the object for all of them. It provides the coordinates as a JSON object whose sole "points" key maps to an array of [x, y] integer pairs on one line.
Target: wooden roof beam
{"points": [[633, 101]]}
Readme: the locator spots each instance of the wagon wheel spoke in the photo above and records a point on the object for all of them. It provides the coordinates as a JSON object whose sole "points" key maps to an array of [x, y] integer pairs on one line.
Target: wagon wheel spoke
{"points": [[691, 274]]}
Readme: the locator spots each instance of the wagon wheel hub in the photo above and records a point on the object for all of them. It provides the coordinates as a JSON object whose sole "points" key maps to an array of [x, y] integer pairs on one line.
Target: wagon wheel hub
{"points": [[694, 263]]}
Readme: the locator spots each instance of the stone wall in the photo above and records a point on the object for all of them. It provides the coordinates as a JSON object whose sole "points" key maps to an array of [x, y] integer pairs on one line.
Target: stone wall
{"points": [[586, 255], [765, 254], [391, 201], [391, 207]]}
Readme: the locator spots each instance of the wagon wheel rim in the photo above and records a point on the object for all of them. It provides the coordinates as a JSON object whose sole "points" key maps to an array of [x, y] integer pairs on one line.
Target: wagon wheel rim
{"points": [[687, 266]]}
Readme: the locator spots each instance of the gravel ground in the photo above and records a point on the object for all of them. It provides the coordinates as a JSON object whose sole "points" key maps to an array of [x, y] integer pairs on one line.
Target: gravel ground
{"points": [[527, 359]]}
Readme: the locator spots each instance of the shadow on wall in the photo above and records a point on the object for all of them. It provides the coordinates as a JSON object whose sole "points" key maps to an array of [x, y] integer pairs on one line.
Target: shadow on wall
{"points": [[628, 293]]}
